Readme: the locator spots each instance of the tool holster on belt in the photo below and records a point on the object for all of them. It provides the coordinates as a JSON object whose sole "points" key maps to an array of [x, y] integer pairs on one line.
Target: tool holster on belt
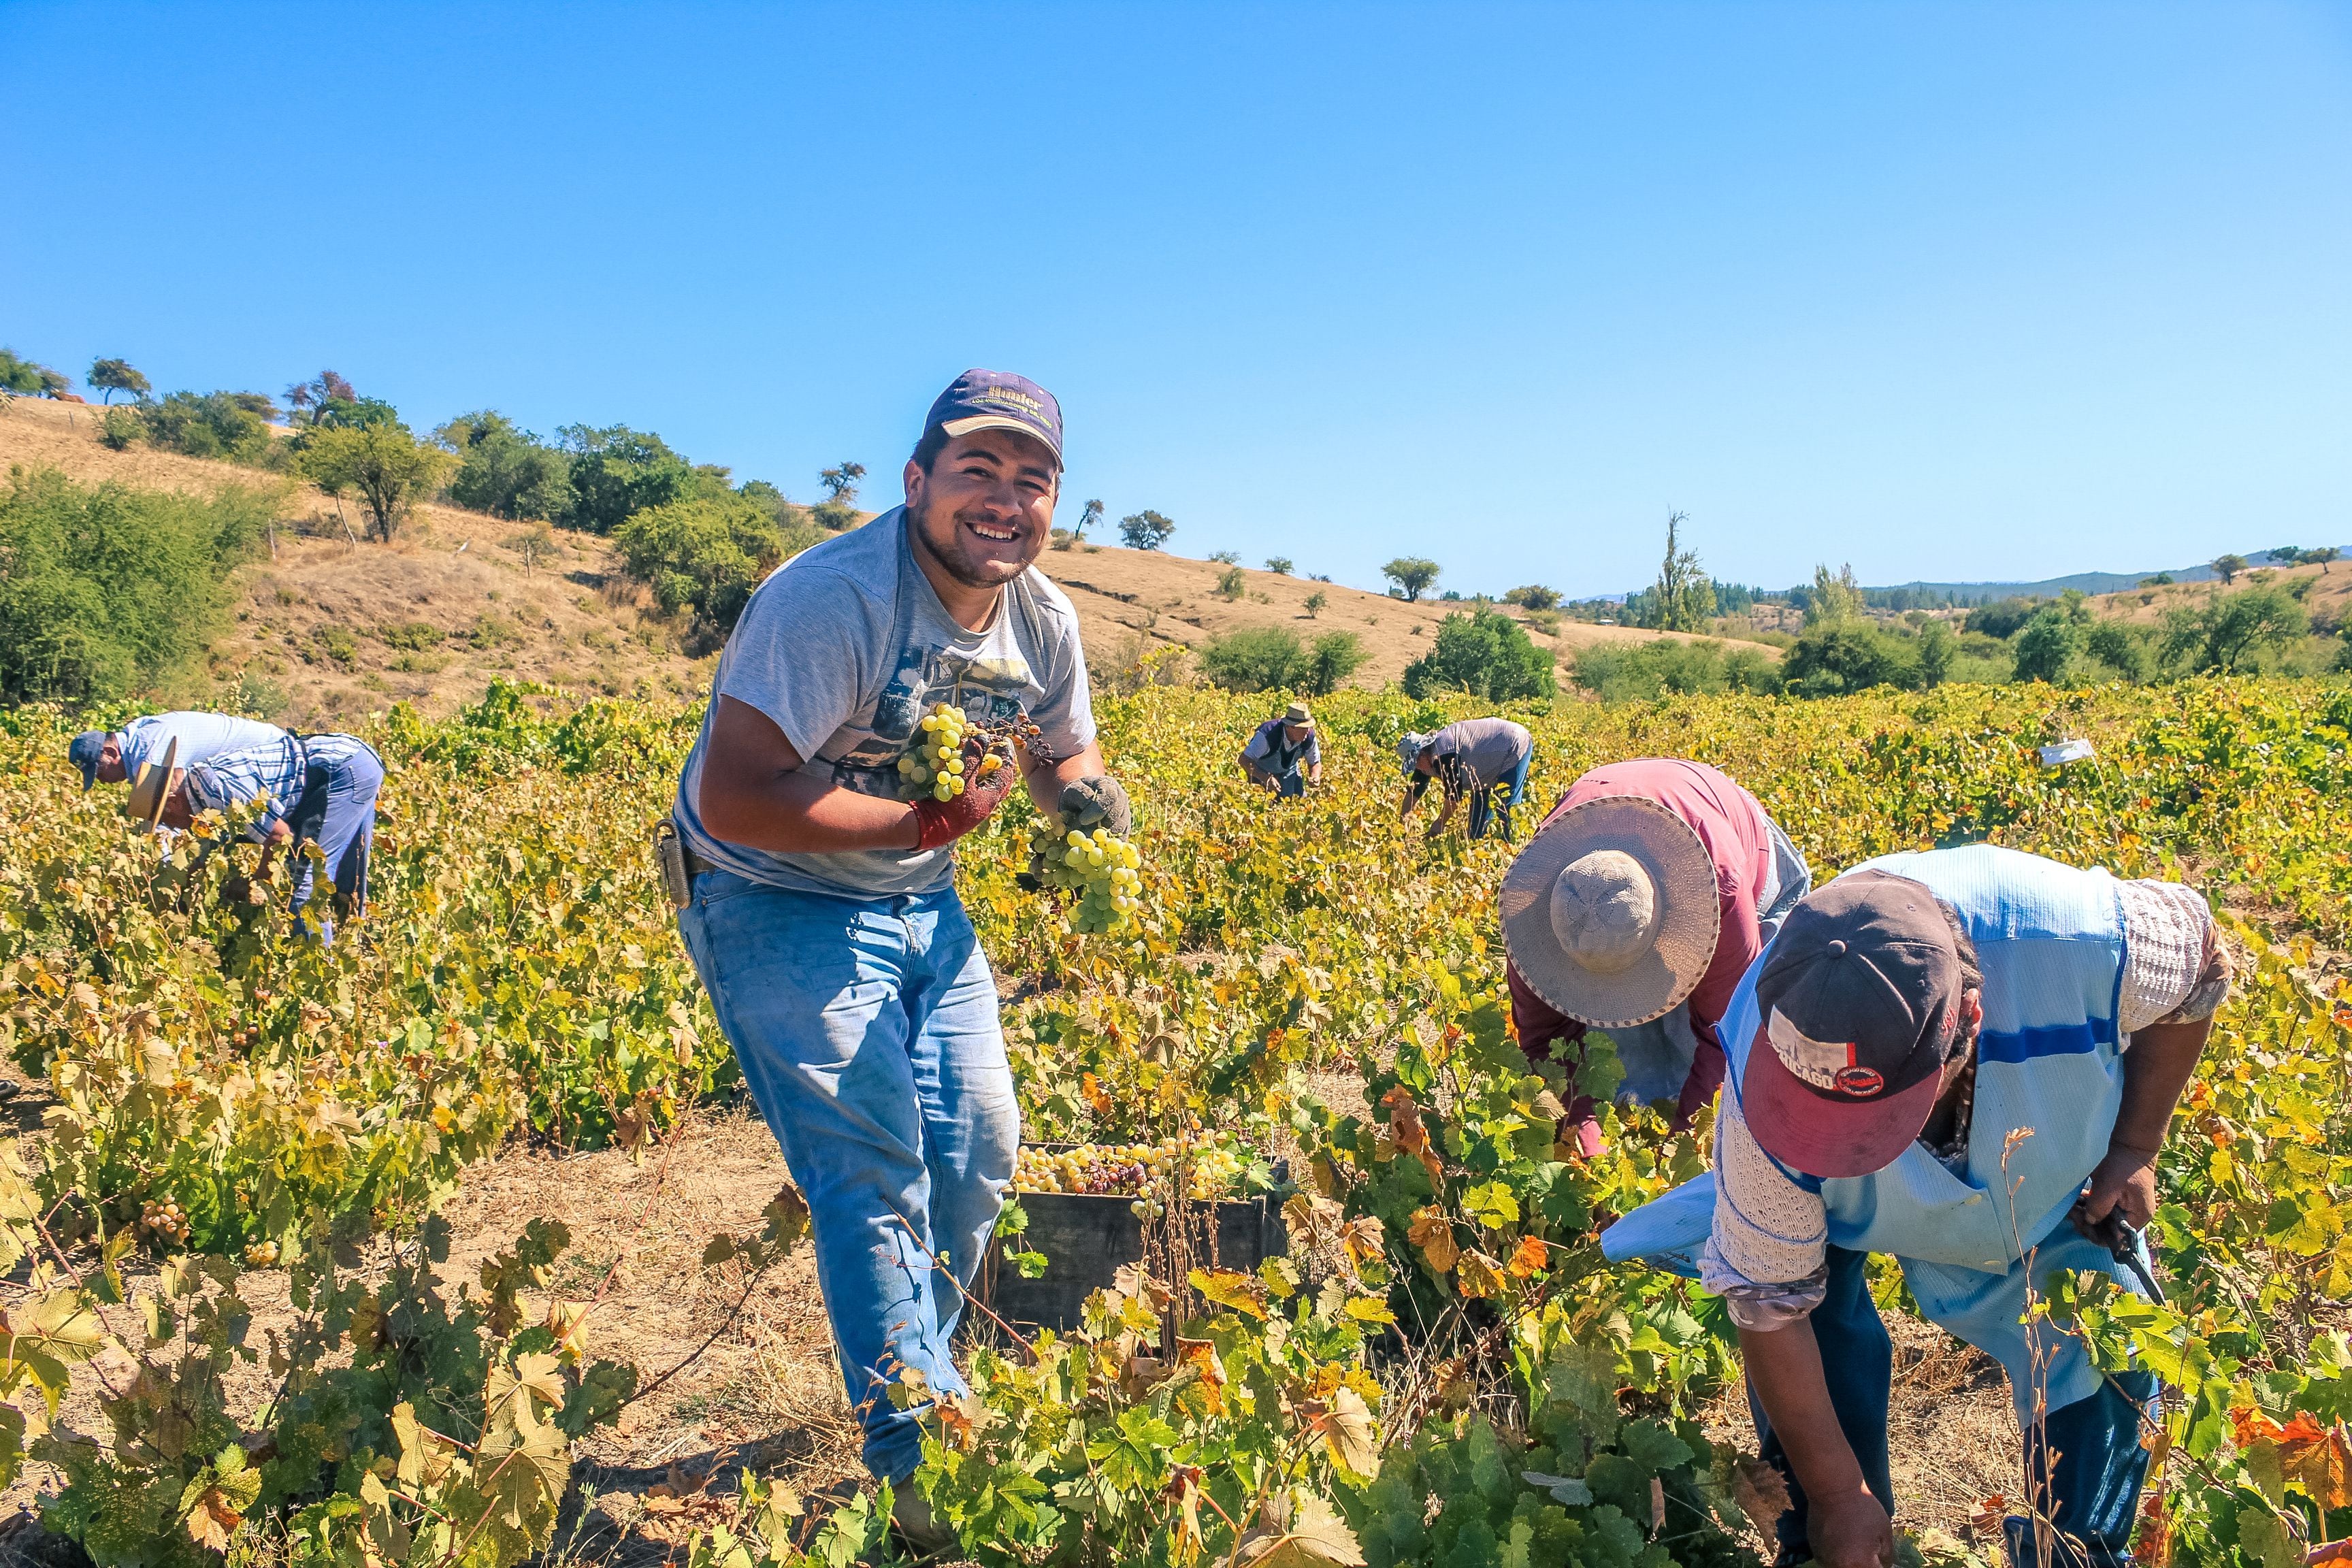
{"points": [[680, 865]]}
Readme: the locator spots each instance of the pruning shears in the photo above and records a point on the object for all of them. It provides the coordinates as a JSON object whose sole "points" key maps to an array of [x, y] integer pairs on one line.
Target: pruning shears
{"points": [[2122, 1239]]}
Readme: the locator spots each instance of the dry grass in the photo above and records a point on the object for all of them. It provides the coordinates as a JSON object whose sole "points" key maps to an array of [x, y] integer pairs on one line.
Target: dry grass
{"points": [[573, 624]]}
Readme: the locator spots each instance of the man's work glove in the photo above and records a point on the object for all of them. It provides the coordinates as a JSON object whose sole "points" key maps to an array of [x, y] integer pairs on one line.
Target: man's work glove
{"points": [[1098, 803], [939, 822]]}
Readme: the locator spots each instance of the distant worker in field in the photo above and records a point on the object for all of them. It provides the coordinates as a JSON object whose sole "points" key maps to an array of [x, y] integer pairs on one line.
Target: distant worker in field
{"points": [[1483, 761], [820, 908], [1968, 1059], [115, 756], [1636, 908], [313, 789], [1285, 755]]}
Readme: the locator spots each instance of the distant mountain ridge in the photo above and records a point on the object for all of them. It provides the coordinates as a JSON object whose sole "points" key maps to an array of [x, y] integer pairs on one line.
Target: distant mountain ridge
{"points": [[2083, 581]]}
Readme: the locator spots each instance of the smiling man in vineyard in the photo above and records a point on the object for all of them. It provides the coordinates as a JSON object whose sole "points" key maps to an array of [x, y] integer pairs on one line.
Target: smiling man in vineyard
{"points": [[1968, 1059], [820, 907]]}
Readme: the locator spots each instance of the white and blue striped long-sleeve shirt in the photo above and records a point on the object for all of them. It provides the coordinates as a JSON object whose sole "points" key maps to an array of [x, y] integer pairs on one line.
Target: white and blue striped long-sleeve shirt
{"points": [[273, 772]]}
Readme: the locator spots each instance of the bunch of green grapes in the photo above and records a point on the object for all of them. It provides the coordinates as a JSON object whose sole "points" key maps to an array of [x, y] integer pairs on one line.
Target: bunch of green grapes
{"points": [[1100, 867], [1144, 1172], [934, 765]]}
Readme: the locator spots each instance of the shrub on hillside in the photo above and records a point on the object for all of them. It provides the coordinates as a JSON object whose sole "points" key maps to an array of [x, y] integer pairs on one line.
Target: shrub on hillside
{"points": [[704, 554], [2004, 619], [1850, 655], [1268, 659], [503, 470], [1619, 672], [1484, 653], [109, 590], [220, 424]]}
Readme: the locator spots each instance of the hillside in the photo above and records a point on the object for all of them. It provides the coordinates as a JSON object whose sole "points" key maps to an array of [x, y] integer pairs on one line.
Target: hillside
{"points": [[330, 628]]}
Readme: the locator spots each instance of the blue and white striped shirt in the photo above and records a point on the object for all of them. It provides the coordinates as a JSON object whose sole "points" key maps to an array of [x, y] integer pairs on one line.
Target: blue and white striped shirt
{"points": [[202, 737], [275, 771]]}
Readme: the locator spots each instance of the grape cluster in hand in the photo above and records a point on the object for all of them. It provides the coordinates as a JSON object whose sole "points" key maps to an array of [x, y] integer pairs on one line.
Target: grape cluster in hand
{"points": [[936, 764], [1100, 867]]}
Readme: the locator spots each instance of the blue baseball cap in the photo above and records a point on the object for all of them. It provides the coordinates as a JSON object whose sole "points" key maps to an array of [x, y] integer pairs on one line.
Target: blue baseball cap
{"points": [[84, 753], [998, 400]]}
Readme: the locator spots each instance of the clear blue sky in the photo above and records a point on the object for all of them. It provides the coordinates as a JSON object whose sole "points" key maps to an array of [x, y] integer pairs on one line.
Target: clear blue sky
{"points": [[1947, 291]]}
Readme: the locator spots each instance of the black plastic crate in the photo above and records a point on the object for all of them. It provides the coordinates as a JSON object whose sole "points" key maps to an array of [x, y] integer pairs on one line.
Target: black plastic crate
{"points": [[1088, 1237]]}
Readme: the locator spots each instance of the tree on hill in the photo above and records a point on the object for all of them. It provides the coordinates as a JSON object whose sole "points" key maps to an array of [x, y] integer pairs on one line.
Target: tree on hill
{"points": [[1266, 658], [503, 470], [2232, 626], [19, 375], [2054, 641], [306, 401], [388, 468], [839, 509], [112, 375], [2286, 555], [2322, 556], [1144, 529], [1533, 596], [616, 472], [2227, 567], [1484, 653], [1412, 574], [1832, 600], [1088, 515], [1683, 598]]}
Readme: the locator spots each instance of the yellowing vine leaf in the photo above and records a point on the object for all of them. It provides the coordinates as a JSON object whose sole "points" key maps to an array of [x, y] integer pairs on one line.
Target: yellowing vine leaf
{"points": [[1434, 1233], [1315, 1538]]}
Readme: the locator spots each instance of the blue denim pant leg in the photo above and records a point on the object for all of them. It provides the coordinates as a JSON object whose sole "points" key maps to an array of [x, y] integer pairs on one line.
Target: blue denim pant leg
{"points": [[345, 840], [2086, 1461], [867, 1032], [1494, 802], [1858, 1361]]}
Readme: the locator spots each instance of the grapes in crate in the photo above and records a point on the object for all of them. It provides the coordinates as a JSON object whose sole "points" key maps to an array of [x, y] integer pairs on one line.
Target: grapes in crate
{"points": [[1144, 1171]]}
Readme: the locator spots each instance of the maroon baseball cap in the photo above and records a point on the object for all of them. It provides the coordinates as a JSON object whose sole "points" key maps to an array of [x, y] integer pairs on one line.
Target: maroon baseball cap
{"points": [[1860, 1004]]}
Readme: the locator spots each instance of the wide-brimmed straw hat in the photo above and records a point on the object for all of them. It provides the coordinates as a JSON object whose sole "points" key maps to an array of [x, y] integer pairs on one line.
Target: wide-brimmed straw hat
{"points": [[1610, 912], [153, 783]]}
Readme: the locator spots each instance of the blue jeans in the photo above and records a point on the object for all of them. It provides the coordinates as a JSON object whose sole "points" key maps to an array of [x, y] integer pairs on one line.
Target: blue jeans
{"points": [[1496, 799], [868, 1032], [2092, 1492], [346, 835]]}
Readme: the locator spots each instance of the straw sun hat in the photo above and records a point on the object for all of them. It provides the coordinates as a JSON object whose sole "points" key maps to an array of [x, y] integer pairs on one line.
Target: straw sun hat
{"points": [[147, 791], [1611, 913]]}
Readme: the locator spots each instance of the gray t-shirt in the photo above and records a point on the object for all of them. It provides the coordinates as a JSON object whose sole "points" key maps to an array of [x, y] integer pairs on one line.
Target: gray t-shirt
{"points": [[1488, 748], [847, 646]]}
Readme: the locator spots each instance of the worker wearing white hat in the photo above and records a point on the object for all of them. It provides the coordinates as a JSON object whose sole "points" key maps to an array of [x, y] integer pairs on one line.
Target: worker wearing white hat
{"points": [[1636, 908]]}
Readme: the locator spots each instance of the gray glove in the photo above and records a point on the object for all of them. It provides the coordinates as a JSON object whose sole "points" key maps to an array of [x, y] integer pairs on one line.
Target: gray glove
{"points": [[1098, 803]]}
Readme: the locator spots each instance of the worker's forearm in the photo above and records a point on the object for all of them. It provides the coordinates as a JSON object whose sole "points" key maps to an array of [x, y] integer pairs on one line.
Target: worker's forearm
{"points": [[2157, 1068], [1785, 1367], [794, 814]]}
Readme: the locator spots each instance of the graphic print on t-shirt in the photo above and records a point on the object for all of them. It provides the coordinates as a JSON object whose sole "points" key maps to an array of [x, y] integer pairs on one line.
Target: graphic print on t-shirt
{"points": [[988, 690]]}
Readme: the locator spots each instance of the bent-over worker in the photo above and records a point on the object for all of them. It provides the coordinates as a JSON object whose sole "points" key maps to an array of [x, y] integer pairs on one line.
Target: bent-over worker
{"points": [[1484, 760], [822, 911], [1285, 755], [1636, 907], [1911, 1020], [313, 789], [113, 756]]}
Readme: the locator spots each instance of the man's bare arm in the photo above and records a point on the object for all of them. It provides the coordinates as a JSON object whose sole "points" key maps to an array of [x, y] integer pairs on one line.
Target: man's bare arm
{"points": [[753, 794], [1848, 1526]]}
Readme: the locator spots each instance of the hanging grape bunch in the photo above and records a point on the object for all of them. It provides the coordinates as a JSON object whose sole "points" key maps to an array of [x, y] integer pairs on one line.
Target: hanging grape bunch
{"points": [[1100, 867], [937, 764]]}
